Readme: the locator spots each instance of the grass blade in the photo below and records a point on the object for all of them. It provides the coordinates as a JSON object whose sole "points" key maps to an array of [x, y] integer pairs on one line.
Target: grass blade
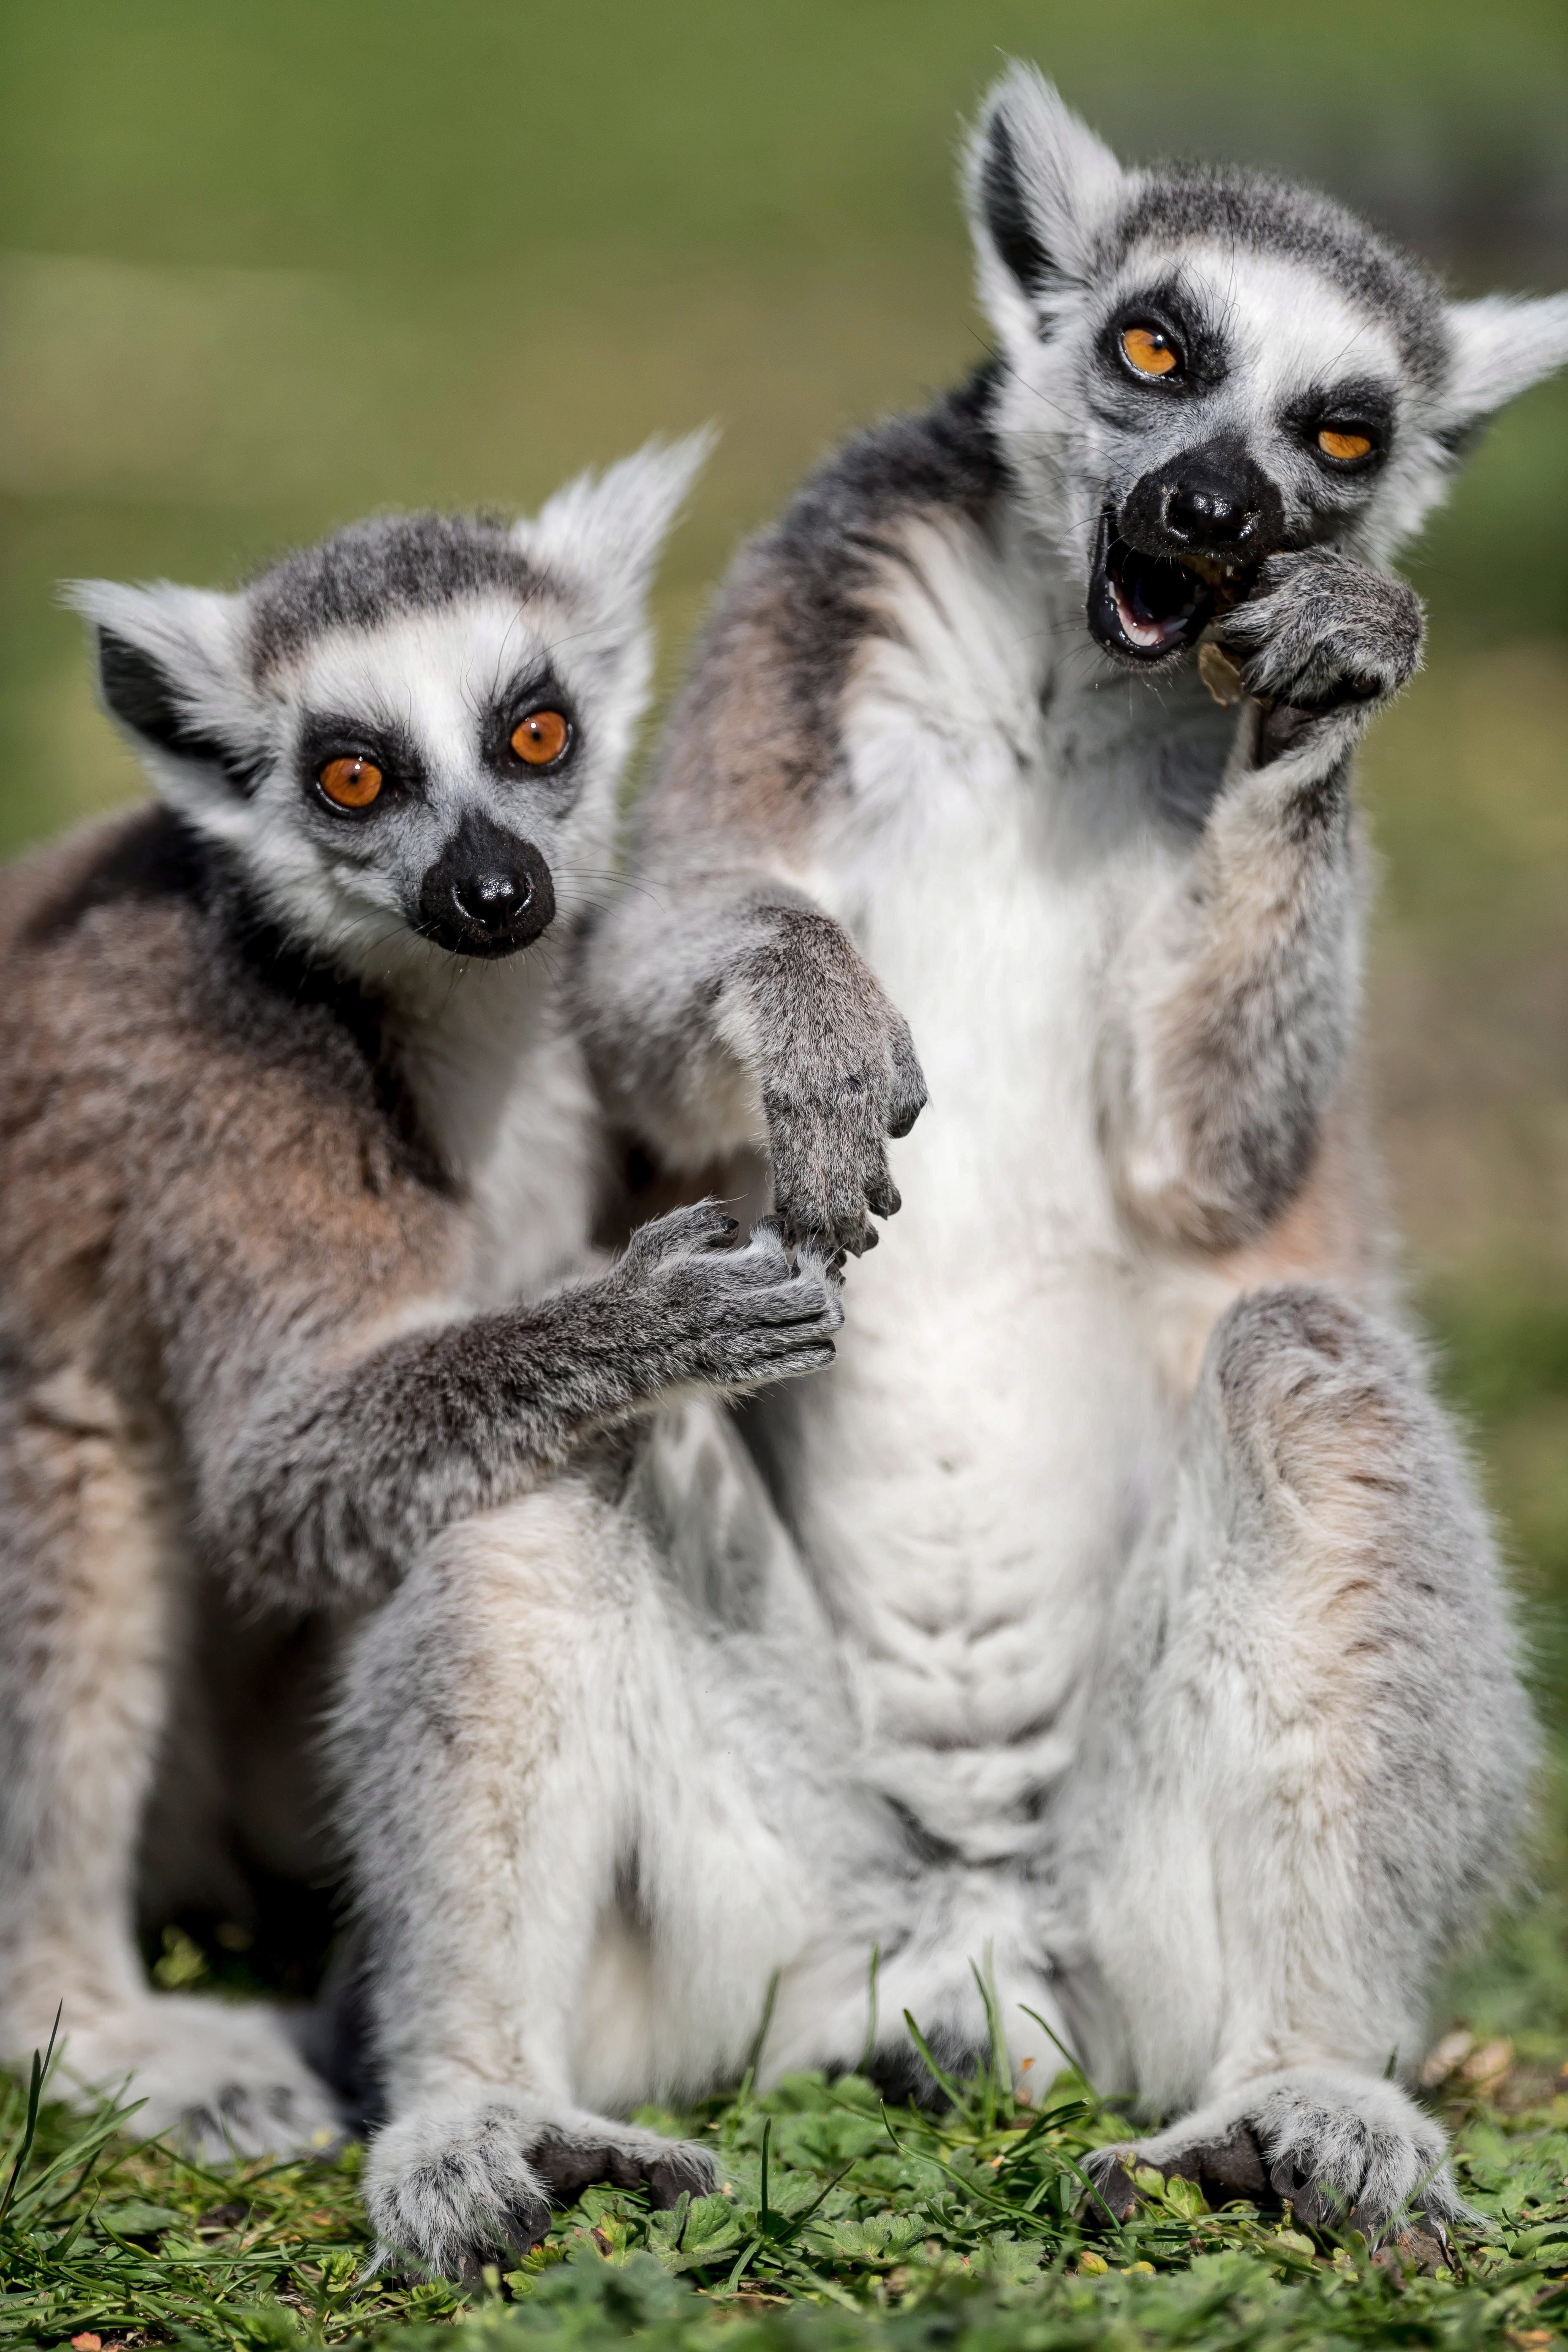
{"points": [[999, 2065], [41, 2066], [1061, 2046], [755, 2060], [741, 2259], [868, 2047], [944, 2082]]}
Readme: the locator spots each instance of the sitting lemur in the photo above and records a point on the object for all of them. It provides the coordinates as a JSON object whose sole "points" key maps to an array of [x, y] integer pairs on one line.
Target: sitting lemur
{"points": [[1140, 1635], [300, 1160]]}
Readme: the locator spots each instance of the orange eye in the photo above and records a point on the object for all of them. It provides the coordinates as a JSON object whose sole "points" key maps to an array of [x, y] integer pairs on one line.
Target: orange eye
{"points": [[1151, 352], [540, 738], [1344, 446], [351, 783]]}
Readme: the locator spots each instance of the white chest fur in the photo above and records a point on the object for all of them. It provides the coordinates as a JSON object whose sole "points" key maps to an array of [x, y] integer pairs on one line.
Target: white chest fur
{"points": [[503, 1088], [969, 1478]]}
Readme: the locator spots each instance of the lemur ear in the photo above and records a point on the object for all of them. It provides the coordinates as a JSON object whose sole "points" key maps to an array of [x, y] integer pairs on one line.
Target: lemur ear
{"points": [[171, 670], [1040, 188], [1500, 345], [606, 529]]}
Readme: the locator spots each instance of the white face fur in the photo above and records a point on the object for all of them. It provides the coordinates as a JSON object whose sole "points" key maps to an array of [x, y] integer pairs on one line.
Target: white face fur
{"points": [[464, 846], [1201, 370], [408, 740]]}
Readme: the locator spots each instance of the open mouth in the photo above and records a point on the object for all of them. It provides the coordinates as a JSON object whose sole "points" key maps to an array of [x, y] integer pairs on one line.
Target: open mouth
{"points": [[1147, 607]]}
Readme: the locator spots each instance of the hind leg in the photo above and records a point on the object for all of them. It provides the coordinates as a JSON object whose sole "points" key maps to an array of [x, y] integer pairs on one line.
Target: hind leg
{"points": [[90, 1604], [1309, 1768], [579, 1852]]}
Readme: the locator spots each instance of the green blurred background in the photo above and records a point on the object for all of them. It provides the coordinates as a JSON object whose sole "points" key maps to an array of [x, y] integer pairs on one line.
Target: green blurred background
{"points": [[266, 266]]}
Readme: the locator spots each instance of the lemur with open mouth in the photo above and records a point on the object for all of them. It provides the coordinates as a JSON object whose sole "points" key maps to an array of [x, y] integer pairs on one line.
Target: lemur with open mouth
{"points": [[1151, 1641], [297, 1151]]}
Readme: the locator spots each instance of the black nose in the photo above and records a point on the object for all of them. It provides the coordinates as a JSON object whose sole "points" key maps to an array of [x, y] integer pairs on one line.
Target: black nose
{"points": [[487, 894], [1212, 499], [1210, 513], [493, 902]]}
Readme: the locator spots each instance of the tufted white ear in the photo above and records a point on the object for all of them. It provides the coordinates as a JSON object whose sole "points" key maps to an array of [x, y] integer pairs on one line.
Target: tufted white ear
{"points": [[1501, 345], [606, 529], [1040, 188], [172, 671]]}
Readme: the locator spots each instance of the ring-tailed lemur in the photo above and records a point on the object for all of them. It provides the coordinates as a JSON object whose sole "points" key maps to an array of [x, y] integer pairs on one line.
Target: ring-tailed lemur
{"points": [[1158, 1648], [298, 1147]]}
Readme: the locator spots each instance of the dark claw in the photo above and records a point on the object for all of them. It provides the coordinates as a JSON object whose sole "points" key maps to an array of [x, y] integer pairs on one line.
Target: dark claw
{"points": [[1114, 2194], [1315, 2207], [570, 2166], [1222, 2168], [526, 2224], [570, 2170], [1233, 2166], [882, 1196], [521, 2228], [1285, 2180], [1415, 2248], [674, 2174]]}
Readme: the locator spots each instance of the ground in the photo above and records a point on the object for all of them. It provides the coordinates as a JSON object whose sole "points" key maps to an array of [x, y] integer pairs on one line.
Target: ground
{"points": [[839, 2223]]}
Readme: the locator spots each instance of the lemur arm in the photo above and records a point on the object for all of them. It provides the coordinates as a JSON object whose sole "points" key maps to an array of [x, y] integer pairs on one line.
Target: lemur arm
{"points": [[1237, 1009], [339, 1414], [728, 1009], [723, 1006]]}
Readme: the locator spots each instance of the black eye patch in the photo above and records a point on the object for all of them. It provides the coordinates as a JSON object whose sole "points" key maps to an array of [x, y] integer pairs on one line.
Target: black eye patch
{"points": [[329, 735], [1346, 428], [1166, 313], [535, 692]]}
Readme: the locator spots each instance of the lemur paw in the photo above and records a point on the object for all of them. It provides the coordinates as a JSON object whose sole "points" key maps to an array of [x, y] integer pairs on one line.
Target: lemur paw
{"points": [[219, 2079], [838, 1075], [466, 2182], [1322, 632], [731, 1318], [1345, 2151]]}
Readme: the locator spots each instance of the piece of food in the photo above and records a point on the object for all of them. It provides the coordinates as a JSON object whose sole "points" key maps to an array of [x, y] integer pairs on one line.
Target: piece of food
{"points": [[1220, 674]]}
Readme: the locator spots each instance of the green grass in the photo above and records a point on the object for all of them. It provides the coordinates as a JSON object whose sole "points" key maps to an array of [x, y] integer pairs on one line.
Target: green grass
{"points": [[838, 2223]]}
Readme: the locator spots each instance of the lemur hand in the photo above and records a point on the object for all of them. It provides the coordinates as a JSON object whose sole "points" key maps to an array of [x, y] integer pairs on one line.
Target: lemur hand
{"points": [[691, 1306], [1323, 634], [836, 1067]]}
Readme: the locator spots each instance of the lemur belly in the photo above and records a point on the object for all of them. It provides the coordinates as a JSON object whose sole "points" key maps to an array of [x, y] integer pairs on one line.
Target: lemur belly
{"points": [[970, 1477]]}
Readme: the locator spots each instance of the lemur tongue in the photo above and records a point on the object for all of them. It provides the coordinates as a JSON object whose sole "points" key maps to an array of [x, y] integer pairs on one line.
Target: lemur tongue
{"points": [[1140, 586], [1148, 632]]}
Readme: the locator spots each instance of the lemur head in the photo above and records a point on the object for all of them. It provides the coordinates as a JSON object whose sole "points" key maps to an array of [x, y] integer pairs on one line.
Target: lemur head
{"points": [[1202, 368], [408, 737]]}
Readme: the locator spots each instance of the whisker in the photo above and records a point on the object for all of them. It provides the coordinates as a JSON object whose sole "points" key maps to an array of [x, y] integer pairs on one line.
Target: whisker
{"points": [[1002, 361]]}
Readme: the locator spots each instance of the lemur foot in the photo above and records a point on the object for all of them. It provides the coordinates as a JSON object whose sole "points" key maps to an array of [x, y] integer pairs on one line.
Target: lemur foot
{"points": [[704, 1310], [455, 2185], [220, 2079], [1323, 632], [1345, 2151]]}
